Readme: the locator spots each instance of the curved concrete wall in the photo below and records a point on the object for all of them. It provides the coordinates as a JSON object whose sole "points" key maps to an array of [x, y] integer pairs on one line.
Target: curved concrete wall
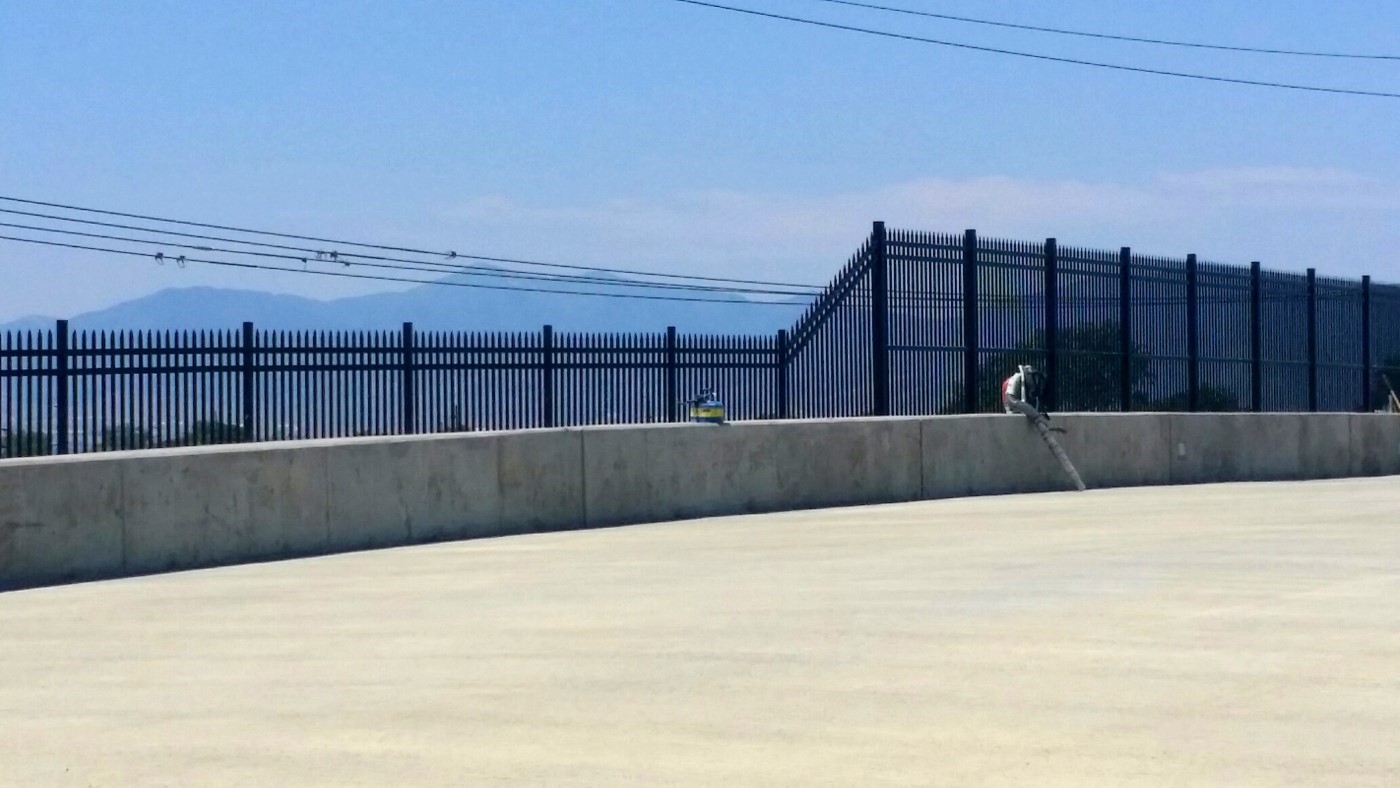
{"points": [[104, 515]]}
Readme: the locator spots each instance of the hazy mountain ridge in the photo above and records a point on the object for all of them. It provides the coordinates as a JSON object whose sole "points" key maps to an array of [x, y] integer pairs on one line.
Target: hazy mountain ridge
{"points": [[429, 308]]}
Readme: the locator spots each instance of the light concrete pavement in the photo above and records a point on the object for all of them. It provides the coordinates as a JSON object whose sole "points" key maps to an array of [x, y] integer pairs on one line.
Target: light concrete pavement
{"points": [[1223, 635]]}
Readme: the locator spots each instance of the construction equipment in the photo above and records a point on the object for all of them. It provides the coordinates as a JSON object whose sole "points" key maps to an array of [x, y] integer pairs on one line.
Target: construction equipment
{"points": [[1041, 422], [705, 407], [1392, 403]]}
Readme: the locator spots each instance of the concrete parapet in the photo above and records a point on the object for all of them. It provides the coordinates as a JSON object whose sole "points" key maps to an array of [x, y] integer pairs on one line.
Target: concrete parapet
{"points": [[407, 490], [985, 455], [184, 510], [540, 474], [848, 462], [677, 471], [1117, 449], [1324, 446], [996, 454], [60, 520], [1375, 444], [1226, 447], [91, 516]]}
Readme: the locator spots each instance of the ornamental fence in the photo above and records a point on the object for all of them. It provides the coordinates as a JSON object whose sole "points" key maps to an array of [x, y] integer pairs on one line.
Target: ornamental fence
{"points": [[914, 323]]}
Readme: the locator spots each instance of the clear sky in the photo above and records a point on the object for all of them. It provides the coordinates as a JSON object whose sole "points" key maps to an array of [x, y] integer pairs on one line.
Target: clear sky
{"points": [[652, 134]]}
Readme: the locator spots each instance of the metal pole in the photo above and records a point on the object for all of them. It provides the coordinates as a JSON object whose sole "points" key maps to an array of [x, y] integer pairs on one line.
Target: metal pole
{"points": [[409, 395], [1125, 328], [781, 373], [1193, 338], [1052, 324], [672, 395], [1256, 337], [547, 377], [1366, 371], [249, 373], [61, 381], [970, 323], [1312, 340], [879, 322]]}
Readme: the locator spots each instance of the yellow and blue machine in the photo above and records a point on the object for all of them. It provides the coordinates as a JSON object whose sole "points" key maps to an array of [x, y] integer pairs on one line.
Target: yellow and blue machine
{"points": [[706, 408]]}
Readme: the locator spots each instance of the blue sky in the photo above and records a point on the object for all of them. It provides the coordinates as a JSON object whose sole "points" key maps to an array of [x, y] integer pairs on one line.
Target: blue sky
{"points": [[652, 134]]}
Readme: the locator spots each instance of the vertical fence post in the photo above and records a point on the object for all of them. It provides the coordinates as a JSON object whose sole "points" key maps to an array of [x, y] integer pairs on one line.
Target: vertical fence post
{"points": [[1125, 329], [1312, 340], [970, 322], [1193, 338], [781, 372], [249, 371], [1052, 324], [410, 397], [547, 377], [672, 394], [61, 385], [1366, 344], [1256, 337], [880, 322]]}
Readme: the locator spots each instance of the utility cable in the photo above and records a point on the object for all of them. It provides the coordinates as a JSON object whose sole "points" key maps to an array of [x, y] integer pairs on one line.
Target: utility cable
{"points": [[320, 255], [1107, 36], [855, 302], [180, 260], [900, 299], [415, 265], [449, 254], [1034, 56]]}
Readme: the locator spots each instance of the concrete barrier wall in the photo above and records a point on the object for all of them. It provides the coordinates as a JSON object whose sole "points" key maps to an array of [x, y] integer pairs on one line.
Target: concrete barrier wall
{"points": [[105, 515]]}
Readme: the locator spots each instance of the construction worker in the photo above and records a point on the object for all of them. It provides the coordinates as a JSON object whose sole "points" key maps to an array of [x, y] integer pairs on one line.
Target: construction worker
{"points": [[1021, 392]]}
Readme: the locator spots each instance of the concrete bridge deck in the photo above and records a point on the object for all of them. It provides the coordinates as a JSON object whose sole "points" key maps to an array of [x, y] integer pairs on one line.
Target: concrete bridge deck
{"points": [[1220, 635]]}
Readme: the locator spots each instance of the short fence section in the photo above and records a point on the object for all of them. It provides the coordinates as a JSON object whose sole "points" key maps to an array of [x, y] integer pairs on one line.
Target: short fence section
{"points": [[914, 323]]}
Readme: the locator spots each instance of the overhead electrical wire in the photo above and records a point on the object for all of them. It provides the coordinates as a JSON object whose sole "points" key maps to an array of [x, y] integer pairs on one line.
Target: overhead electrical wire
{"points": [[429, 267], [1110, 37], [452, 255], [306, 256], [182, 260], [413, 265], [1035, 56], [901, 300], [900, 303], [306, 253]]}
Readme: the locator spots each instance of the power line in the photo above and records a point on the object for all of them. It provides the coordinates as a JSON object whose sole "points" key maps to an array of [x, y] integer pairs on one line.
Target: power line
{"points": [[902, 298], [414, 265], [452, 255], [322, 255], [1034, 56], [1161, 41], [436, 268], [180, 260]]}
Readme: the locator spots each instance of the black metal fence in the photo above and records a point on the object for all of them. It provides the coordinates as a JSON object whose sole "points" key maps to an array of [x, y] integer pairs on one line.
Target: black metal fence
{"points": [[915, 323]]}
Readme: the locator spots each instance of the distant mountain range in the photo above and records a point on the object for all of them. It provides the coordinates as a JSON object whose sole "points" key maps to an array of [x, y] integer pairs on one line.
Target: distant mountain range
{"points": [[430, 308]]}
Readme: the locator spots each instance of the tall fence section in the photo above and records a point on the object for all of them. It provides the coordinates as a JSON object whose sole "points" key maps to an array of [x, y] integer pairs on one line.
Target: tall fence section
{"points": [[914, 324]]}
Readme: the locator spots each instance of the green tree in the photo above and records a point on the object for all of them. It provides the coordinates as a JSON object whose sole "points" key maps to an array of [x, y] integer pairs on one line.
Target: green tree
{"points": [[1210, 398], [125, 437], [25, 443], [211, 432], [1087, 377]]}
